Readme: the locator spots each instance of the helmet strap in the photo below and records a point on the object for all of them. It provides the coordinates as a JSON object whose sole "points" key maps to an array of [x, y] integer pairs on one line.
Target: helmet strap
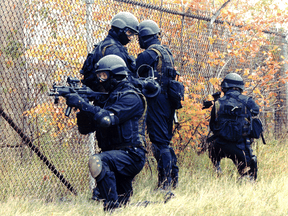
{"points": [[145, 41], [123, 39]]}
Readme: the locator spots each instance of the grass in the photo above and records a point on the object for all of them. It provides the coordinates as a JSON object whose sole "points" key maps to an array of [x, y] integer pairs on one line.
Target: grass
{"points": [[200, 191]]}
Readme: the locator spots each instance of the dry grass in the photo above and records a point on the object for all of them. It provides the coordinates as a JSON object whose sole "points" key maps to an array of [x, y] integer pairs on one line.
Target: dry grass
{"points": [[200, 191]]}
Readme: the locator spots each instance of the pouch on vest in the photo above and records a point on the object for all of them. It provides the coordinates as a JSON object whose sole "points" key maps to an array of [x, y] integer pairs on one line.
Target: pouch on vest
{"points": [[88, 65], [256, 128], [231, 123], [231, 130], [175, 93]]}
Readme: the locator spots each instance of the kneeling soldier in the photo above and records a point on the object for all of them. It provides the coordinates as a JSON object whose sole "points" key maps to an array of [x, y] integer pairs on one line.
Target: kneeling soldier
{"points": [[119, 123]]}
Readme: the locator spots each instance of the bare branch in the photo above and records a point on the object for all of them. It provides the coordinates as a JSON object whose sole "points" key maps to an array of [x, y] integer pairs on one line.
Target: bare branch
{"points": [[214, 17]]}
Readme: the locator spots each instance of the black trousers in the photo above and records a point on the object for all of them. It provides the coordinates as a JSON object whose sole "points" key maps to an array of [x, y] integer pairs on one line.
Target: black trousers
{"points": [[166, 165], [119, 167], [240, 154]]}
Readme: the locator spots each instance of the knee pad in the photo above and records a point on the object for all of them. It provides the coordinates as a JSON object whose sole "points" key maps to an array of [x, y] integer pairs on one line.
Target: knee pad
{"points": [[166, 161], [95, 165], [165, 151], [166, 157]]}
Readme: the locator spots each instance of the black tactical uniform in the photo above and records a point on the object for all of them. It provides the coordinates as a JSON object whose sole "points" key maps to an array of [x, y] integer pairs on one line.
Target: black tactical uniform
{"points": [[160, 108], [230, 125], [120, 131], [124, 25]]}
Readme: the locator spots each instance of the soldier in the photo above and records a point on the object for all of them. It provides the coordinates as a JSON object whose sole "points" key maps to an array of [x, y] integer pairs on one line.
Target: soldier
{"points": [[161, 109], [120, 127], [124, 26], [230, 125]]}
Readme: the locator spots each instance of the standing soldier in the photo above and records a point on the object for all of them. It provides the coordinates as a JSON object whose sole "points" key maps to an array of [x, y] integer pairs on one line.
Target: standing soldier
{"points": [[230, 125], [119, 125], [161, 108], [124, 26]]}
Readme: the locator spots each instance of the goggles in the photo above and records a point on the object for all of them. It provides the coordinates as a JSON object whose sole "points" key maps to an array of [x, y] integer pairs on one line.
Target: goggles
{"points": [[130, 32], [102, 76]]}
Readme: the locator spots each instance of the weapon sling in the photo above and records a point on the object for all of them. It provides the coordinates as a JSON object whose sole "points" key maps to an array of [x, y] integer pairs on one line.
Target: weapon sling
{"points": [[36, 150]]}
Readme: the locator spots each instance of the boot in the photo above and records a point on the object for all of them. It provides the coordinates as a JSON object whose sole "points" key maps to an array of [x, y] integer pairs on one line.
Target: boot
{"points": [[96, 195], [218, 168]]}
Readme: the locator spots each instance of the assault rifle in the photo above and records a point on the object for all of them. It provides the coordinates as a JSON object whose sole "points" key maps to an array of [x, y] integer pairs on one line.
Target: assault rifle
{"points": [[208, 104], [74, 87]]}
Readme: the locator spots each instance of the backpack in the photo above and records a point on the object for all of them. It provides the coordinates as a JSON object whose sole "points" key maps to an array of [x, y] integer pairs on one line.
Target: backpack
{"points": [[164, 70], [176, 93], [231, 130], [232, 118], [166, 75], [92, 58], [256, 126]]}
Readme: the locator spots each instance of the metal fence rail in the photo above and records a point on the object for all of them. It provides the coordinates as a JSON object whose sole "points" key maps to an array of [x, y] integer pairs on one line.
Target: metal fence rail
{"points": [[44, 41]]}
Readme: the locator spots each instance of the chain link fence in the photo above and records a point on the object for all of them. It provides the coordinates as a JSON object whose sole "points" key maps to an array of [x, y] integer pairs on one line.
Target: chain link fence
{"points": [[45, 41]]}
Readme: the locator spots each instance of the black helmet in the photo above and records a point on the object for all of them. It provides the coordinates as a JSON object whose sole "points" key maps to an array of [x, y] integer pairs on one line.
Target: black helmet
{"points": [[233, 80], [124, 20], [148, 31], [113, 65], [148, 27], [110, 70], [125, 25]]}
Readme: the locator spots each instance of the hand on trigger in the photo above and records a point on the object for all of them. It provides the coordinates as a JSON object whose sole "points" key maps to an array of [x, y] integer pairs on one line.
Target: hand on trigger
{"points": [[74, 100]]}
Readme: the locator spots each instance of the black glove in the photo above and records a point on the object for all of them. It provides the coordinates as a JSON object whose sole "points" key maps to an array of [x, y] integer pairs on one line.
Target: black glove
{"points": [[150, 85], [74, 100], [207, 104], [85, 122]]}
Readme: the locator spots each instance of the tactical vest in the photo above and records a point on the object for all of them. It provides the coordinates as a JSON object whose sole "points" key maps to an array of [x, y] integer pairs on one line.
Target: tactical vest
{"points": [[232, 118], [127, 134], [93, 57], [164, 70]]}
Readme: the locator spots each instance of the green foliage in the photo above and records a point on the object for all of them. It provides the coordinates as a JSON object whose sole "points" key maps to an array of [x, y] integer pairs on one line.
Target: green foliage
{"points": [[13, 47]]}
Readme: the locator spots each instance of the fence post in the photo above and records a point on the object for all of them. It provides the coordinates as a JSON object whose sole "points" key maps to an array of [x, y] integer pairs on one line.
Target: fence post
{"points": [[89, 24], [285, 69], [91, 139]]}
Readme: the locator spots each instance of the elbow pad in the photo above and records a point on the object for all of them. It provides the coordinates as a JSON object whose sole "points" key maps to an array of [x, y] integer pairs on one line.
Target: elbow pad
{"points": [[106, 118]]}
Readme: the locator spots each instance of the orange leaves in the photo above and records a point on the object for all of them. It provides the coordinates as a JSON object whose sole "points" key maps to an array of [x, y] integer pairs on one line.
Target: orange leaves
{"points": [[246, 71], [214, 81], [192, 61], [216, 54], [212, 40], [193, 120], [49, 115], [61, 126], [39, 109], [9, 63], [283, 81], [256, 91]]}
